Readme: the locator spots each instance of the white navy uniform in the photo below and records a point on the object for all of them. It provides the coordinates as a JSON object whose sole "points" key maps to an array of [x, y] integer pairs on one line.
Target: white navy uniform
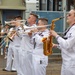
{"points": [[67, 47], [17, 43], [40, 61], [26, 54], [13, 50], [9, 56]]}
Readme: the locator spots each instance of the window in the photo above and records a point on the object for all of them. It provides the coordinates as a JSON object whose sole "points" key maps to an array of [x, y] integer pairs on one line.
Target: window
{"points": [[42, 4]]}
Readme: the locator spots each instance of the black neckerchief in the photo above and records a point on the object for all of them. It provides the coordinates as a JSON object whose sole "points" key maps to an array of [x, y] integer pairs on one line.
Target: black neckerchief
{"points": [[67, 31]]}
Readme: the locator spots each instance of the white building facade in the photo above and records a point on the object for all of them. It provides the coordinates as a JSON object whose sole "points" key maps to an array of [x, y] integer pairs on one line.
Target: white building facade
{"points": [[31, 5]]}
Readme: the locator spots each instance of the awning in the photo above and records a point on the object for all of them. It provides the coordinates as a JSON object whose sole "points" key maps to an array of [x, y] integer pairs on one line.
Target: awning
{"points": [[13, 7]]}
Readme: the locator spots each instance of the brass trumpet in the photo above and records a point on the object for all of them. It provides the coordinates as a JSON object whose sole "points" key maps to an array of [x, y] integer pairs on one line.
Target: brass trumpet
{"points": [[11, 22], [11, 35]]}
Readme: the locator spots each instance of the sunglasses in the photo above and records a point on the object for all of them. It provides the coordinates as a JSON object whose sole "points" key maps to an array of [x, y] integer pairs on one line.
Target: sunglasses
{"points": [[68, 14]]}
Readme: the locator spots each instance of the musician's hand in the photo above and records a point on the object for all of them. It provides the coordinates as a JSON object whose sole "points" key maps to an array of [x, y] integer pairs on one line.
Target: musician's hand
{"points": [[30, 34], [6, 32], [34, 30], [53, 33], [54, 45]]}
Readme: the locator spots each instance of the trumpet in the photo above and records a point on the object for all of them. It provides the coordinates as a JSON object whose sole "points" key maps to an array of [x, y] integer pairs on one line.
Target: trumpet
{"points": [[11, 35], [27, 27], [8, 37], [11, 22]]}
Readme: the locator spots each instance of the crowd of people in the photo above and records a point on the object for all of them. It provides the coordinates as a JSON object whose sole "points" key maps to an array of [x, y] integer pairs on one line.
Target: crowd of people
{"points": [[25, 47]]}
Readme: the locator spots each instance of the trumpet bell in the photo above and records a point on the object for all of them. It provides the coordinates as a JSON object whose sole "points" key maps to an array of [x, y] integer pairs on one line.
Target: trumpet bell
{"points": [[6, 22]]}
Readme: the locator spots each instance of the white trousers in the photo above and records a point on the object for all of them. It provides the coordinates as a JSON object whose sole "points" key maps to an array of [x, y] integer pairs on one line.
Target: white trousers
{"points": [[17, 59], [10, 64], [26, 63], [39, 64], [70, 70]]}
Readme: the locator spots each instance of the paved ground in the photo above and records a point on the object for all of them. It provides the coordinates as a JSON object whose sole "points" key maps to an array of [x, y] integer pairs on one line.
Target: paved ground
{"points": [[53, 67]]}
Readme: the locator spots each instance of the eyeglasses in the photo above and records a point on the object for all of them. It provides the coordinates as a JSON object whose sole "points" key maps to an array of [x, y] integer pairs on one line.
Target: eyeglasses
{"points": [[68, 14]]}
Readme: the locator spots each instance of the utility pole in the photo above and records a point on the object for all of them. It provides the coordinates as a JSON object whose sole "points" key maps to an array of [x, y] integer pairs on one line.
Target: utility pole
{"points": [[64, 11]]}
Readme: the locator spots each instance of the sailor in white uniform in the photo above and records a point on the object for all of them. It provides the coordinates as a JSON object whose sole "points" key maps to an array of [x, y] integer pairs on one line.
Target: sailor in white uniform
{"points": [[40, 61], [14, 47], [26, 48], [67, 45], [10, 66]]}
